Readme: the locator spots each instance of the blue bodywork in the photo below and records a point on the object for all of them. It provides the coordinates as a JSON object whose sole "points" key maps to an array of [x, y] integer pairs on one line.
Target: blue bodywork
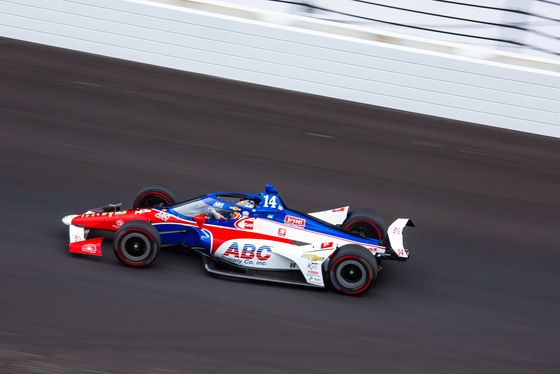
{"points": [[268, 205]]}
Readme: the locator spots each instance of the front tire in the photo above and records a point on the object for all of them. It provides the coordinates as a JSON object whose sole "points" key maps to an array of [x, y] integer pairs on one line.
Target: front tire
{"points": [[352, 270], [155, 196], [137, 243]]}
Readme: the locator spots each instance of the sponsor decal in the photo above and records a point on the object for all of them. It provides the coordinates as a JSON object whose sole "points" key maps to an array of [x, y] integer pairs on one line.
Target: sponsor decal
{"points": [[375, 249], [118, 224], [294, 221], [315, 280], [89, 248], [312, 257], [338, 210], [281, 232], [244, 224], [327, 245], [163, 216], [86, 215], [103, 214], [248, 255], [397, 230], [142, 211], [313, 268], [218, 204]]}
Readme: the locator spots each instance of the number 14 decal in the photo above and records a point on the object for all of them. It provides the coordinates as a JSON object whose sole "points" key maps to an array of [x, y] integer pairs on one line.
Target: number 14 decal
{"points": [[270, 201]]}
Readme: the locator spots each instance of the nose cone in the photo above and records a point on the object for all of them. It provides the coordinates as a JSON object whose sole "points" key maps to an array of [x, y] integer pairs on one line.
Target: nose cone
{"points": [[68, 219]]}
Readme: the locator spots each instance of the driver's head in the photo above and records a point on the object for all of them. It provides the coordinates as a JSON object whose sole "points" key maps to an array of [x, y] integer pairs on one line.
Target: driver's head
{"points": [[246, 203]]}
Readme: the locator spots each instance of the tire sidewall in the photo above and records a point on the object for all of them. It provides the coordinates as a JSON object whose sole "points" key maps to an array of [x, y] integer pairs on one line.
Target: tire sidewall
{"points": [[157, 191], [367, 217], [359, 258], [143, 232]]}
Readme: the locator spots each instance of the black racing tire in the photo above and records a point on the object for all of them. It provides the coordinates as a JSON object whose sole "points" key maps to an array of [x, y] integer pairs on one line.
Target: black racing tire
{"points": [[352, 270], [366, 223], [155, 196], [137, 243]]}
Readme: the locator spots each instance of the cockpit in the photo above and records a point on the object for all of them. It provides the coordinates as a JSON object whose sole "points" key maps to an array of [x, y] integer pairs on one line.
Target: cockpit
{"points": [[220, 206]]}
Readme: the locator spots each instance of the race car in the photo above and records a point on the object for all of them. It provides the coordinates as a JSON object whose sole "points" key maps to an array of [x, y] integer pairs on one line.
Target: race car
{"points": [[247, 235]]}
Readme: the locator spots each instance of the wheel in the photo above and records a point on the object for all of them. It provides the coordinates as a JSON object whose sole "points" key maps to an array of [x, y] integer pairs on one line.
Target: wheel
{"points": [[366, 223], [155, 196], [352, 270], [137, 243]]}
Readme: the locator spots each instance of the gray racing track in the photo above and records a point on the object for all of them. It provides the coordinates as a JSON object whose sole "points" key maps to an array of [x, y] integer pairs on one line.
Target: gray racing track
{"points": [[480, 293]]}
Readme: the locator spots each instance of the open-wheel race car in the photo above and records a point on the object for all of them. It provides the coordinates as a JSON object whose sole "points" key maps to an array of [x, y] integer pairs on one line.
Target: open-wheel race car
{"points": [[246, 235]]}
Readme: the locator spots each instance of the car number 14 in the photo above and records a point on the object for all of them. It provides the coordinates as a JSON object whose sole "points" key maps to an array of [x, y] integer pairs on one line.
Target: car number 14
{"points": [[270, 201]]}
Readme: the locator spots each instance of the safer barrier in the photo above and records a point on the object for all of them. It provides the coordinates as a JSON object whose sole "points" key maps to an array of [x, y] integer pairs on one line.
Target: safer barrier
{"points": [[297, 54]]}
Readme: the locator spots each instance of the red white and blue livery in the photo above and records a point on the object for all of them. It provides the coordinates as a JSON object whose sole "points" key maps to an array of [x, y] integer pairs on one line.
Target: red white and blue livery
{"points": [[246, 235]]}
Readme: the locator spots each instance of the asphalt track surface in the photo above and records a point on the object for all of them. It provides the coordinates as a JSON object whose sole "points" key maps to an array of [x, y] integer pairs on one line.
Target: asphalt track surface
{"points": [[480, 293]]}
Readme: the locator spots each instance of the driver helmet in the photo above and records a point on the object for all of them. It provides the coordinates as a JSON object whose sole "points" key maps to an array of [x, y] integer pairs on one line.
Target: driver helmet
{"points": [[246, 203]]}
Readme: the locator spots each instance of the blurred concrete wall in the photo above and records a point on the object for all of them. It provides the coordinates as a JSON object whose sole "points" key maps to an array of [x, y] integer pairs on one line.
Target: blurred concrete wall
{"points": [[309, 56]]}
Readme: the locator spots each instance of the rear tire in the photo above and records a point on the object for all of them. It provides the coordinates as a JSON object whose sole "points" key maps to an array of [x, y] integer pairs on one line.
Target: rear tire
{"points": [[137, 243], [352, 270], [366, 223], [155, 196]]}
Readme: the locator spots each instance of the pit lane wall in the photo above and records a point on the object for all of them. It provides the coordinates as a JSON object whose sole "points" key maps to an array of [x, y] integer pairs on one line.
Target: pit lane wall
{"points": [[300, 54]]}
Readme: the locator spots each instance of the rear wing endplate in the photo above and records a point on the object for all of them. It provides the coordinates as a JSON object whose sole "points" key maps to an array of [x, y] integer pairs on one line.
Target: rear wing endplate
{"points": [[395, 236]]}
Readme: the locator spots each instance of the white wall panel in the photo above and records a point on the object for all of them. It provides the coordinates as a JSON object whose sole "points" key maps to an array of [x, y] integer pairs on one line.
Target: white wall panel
{"points": [[365, 71]]}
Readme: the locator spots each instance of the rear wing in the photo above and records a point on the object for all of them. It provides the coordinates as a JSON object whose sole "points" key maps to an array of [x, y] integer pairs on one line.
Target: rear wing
{"points": [[395, 237]]}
